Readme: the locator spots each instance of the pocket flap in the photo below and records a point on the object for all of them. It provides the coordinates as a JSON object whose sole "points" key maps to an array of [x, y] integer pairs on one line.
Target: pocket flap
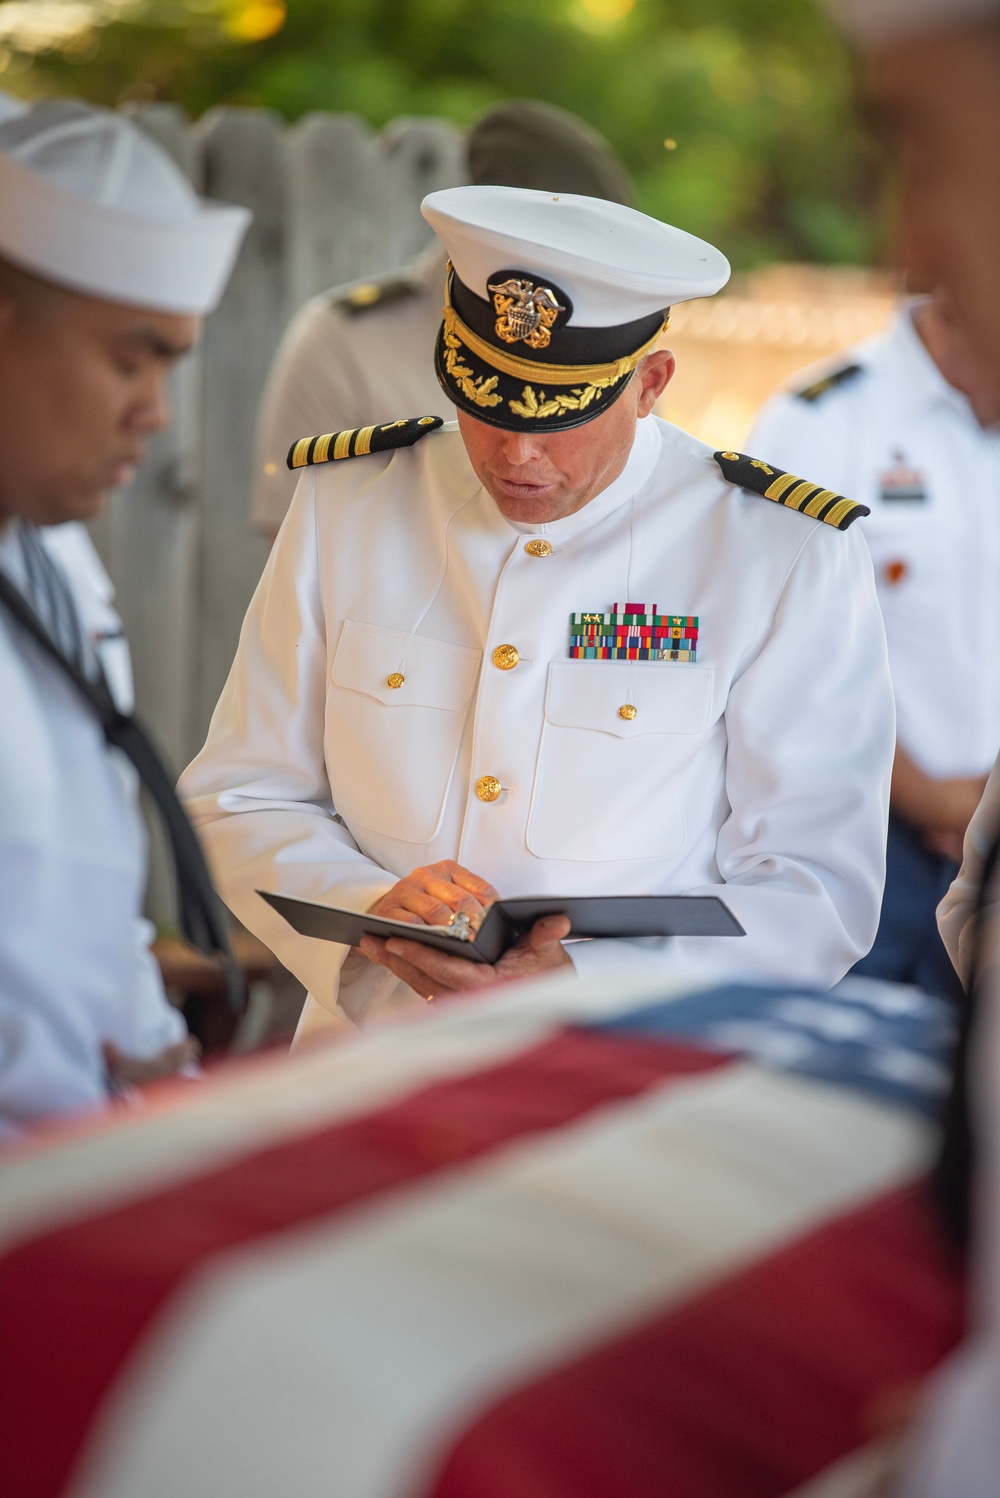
{"points": [[668, 696], [434, 674]]}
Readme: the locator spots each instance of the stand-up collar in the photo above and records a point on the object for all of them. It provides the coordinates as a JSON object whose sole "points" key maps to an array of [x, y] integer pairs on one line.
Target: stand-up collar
{"points": [[645, 453]]}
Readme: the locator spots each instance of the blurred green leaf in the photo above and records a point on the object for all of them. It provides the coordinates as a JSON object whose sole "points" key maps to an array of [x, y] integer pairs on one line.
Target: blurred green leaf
{"points": [[756, 94]]}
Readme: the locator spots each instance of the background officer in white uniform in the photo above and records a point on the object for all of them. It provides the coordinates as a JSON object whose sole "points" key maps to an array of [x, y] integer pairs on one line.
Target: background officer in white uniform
{"points": [[410, 691], [907, 424], [107, 261], [367, 349]]}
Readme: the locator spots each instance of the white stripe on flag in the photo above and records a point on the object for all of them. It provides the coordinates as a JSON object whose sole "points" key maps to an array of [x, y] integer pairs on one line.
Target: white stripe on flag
{"points": [[340, 1362], [268, 1100], [868, 1473]]}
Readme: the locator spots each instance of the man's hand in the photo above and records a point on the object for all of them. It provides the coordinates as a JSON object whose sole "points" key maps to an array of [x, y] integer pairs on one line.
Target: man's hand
{"points": [[940, 810], [431, 896], [135, 1071], [432, 973]]}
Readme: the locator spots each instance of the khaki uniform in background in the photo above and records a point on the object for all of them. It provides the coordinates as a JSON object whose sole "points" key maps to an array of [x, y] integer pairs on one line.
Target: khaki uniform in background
{"points": [[359, 353], [364, 351]]}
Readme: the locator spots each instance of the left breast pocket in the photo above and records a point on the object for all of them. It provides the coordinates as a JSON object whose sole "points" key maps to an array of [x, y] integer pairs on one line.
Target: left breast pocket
{"points": [[396, 709], [615, 743]]}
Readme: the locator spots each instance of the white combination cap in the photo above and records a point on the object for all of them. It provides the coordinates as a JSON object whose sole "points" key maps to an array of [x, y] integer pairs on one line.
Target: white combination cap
{"points": [[553, 300], [90, 202], [878, 22], [616, 264]]}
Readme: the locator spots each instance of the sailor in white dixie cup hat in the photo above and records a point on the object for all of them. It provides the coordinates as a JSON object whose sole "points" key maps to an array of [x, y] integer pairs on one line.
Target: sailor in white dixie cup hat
{"points": [[554, 648], [107, 262]]}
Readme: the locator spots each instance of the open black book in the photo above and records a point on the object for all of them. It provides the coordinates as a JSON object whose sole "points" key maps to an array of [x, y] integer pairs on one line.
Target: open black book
{"points": [[507, 920]]}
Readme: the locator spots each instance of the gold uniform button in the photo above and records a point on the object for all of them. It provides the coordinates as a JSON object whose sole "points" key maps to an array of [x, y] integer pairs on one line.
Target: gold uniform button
{"points": [[539, 548], [488, 788], [627, 711], [395, 680], [506, 657]]}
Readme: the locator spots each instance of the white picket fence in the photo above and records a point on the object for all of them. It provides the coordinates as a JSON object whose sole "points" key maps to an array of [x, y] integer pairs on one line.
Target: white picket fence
{"points": [[332, 201]]}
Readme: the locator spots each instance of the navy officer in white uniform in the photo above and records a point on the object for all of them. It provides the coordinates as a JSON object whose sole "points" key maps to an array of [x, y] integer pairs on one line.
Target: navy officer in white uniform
{"points": [[107, 262], [413, 722], [907, 423]]}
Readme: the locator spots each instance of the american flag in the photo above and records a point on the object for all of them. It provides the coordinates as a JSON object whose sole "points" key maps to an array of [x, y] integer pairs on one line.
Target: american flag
{"points": [[576, 1242]]}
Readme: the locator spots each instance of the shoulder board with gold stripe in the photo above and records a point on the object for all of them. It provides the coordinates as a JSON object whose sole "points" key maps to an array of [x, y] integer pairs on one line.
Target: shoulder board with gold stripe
{"points": [[358, 442], [367, 295], [819, 388], [788, 490]]}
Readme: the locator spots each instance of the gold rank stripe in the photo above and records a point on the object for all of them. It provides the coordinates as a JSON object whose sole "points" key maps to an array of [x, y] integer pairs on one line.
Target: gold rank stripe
{"points": [[356, 442], [788, 490], [842, 510], [820, 504], [300, 452], [780, 487]]}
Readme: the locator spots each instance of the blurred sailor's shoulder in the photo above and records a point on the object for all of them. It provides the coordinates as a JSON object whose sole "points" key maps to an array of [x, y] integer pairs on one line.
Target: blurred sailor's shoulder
{"points": [[367, 318], [389, 292], [350, 355]]}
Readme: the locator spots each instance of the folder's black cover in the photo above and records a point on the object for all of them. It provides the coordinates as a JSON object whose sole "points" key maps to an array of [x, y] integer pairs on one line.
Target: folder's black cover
{"points": [[591, 915]]}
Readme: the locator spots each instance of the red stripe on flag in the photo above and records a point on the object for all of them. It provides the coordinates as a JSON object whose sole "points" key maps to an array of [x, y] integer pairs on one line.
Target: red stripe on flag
{"points": [[745, 1391], [74, 1302]]}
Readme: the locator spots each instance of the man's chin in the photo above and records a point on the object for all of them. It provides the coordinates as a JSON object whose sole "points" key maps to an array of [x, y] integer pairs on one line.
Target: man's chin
{"points": [[531, 507], [81, 506]]}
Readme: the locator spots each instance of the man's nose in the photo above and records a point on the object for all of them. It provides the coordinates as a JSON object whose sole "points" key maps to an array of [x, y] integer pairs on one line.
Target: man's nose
{"points": [[155, 412], [522, 447]]}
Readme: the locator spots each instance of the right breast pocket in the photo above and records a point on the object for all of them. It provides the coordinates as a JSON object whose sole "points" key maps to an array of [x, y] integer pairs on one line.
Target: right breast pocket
{"points": [[396, 708], [611, 787]]}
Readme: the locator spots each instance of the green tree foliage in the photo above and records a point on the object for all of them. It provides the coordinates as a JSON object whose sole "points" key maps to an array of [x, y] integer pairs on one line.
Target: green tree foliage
{"points": [[735, 115]]}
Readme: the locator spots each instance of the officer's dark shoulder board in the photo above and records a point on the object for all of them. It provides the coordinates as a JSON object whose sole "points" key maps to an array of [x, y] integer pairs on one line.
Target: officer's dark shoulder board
{"points": [[832, 381], [365, 296], [358, 442], [787, 489]]}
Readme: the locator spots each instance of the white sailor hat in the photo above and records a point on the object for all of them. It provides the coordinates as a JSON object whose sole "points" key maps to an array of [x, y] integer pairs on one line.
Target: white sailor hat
{"points": [[877, 22], [553, 299], [89, 202]]}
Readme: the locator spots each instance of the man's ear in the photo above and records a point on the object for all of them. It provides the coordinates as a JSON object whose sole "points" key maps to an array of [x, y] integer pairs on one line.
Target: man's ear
{"points": [[654, 375]]}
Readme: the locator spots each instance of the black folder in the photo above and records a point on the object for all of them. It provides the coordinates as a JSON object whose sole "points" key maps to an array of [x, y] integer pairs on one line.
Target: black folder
{"points": [[507, 920]]}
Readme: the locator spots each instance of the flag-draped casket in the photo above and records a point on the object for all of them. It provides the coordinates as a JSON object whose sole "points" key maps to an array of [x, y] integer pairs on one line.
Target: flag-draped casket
{"points": [[575, 1242]]}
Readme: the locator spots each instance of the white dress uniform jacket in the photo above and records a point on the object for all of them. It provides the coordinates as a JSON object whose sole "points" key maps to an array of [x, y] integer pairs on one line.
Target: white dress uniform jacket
{"points": [[763, 766], [898, 438], [75, 969]]}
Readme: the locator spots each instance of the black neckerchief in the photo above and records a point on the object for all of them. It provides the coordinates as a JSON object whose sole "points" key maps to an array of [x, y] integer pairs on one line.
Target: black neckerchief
{"points": [[202, 916]]}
